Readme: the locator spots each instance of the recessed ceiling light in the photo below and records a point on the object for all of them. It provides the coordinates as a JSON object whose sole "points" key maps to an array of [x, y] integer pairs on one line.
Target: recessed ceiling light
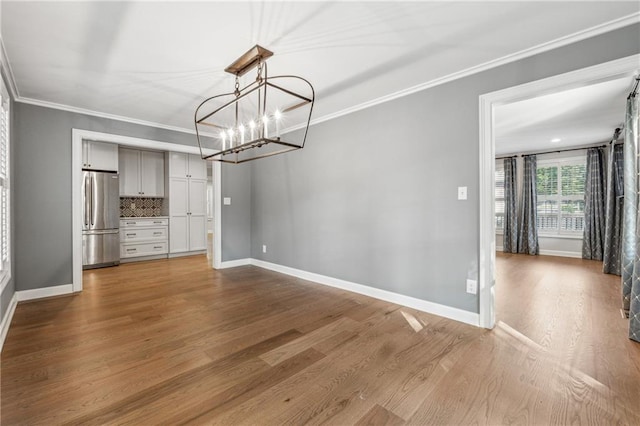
{"points": [[555, 140]]}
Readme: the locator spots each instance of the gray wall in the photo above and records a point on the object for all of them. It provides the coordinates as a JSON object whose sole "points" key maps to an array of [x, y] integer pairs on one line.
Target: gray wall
{"points": [[236, 218], [42, 158], [372, 197]]}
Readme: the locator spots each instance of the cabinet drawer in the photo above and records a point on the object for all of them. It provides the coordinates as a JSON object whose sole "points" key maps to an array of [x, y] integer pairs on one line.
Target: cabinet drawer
{"points": [[143, 221], [143, 249], [142, 233]]}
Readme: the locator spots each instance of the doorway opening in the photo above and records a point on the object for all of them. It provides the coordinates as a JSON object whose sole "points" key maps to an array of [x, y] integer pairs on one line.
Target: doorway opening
{"points": [[78, 136], [489, 105]]}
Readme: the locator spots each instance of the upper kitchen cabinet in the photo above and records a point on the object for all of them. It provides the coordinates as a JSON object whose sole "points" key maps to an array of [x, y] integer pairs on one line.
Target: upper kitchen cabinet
{"points": [[99, 156], [141, 173], [187, 166]]}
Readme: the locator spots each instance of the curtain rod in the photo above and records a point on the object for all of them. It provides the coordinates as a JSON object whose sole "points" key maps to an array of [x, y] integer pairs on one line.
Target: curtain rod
{"points": [[552, 152]]}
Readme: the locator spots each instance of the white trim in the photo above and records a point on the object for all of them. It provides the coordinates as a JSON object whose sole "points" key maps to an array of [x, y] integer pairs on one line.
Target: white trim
{"points": [[388, 296], [487, 223], [85, 111], [579, 78], [576, 236], [6, 319], [561, 253], [6, 65], [217, 215], [77, 136], [535, 50], [541, 48], [39, 293], [185, 254], [235, 263], [550, 253]]}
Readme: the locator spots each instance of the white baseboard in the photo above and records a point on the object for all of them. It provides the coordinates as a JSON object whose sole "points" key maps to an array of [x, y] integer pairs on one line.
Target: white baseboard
{"points": [[235, 263], [553, 253], [142, 258], [561, 253], [6, 320], [388, 296], [39, 293], [186, 253]]}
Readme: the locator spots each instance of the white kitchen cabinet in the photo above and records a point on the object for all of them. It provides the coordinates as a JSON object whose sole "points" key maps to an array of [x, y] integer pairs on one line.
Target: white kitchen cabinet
{"points": [[141, 173], [141, 237], [187, 165], [99, 156], [187, 215], [187, 203]]}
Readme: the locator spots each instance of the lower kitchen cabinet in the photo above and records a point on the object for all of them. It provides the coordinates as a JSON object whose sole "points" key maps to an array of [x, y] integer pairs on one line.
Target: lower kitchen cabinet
{"points": [[141, 237]]}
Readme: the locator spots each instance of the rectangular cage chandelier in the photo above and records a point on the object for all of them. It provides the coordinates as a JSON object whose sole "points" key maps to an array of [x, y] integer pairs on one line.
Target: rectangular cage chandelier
{"points": [[248, 123]]}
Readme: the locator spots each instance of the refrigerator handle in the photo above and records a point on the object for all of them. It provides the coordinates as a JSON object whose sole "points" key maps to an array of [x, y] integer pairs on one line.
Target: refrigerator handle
{"points": [[91, 179], [86, 201]]}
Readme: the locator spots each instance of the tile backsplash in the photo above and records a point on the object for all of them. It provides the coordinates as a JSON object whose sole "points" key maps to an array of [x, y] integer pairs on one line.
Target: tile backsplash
{"points": [[144, 207]]}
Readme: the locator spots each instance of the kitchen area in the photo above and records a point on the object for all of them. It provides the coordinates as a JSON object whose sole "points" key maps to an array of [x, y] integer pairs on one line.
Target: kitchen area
{"points": [[141, 204]]}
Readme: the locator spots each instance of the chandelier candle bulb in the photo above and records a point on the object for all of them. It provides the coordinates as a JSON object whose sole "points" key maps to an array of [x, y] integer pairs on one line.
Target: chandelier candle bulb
{"points": [[241, 130], [277, 117], [265, 120], [224, 140], [252, 126]]}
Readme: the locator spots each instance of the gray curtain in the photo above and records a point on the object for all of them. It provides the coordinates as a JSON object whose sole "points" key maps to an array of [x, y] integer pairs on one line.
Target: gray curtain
{"points": [[631, 227], [615, 197], [510, 237], [594, 222], [528, 234]]}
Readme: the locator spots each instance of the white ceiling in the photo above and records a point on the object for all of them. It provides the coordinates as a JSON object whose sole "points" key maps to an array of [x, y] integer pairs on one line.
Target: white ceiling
{"points": [[155, 61], [577, 117]]}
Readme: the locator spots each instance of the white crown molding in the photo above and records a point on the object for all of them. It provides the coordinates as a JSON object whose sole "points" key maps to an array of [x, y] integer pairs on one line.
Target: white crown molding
{"points": [[6, 65], [526, 53], [388, 296], [6, 320], [544, 47], [85, 111]]}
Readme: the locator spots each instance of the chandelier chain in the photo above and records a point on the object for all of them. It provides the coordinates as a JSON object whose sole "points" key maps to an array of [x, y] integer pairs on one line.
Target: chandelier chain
{"points": [[259, 76]]}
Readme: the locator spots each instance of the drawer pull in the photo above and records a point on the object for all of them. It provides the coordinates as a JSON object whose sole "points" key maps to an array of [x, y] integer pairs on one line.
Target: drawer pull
{"points": [[157, 233], [157, 247], [157, 221], [133, 249], [131, 235], [131, 223]]}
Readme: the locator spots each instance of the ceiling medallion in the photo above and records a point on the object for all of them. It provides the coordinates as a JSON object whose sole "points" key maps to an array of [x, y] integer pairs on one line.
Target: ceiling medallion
{"points": [[254, 121]]}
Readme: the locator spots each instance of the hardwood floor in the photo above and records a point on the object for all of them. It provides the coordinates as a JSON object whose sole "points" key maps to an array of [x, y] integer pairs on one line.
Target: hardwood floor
{"points": [[175, 342]]}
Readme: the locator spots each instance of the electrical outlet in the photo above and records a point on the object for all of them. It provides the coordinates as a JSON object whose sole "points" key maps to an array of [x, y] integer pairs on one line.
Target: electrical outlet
{"points": [[133, 205], [264, 248], [226, 201], [472, 286]]}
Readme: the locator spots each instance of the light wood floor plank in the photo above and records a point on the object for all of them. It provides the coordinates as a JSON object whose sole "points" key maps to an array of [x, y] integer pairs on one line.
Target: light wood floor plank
{"points": [[175, 342]]}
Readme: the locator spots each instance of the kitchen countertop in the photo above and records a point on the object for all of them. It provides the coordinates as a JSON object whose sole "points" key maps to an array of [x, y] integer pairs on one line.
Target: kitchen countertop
{"points": [[143, 217]]}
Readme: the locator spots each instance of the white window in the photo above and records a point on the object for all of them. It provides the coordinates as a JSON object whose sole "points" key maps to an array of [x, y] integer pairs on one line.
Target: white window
{"points": [[5, 199], [499, 196], [560, 188]]}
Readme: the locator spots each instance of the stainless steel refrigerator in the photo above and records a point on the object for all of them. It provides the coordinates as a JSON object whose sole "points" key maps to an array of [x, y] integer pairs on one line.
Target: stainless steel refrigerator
{"points": [[100, 219]]}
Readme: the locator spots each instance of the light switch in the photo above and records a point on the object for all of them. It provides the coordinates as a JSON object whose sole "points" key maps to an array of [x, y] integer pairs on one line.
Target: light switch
{"points": [[226, 201], [462, 193]]}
